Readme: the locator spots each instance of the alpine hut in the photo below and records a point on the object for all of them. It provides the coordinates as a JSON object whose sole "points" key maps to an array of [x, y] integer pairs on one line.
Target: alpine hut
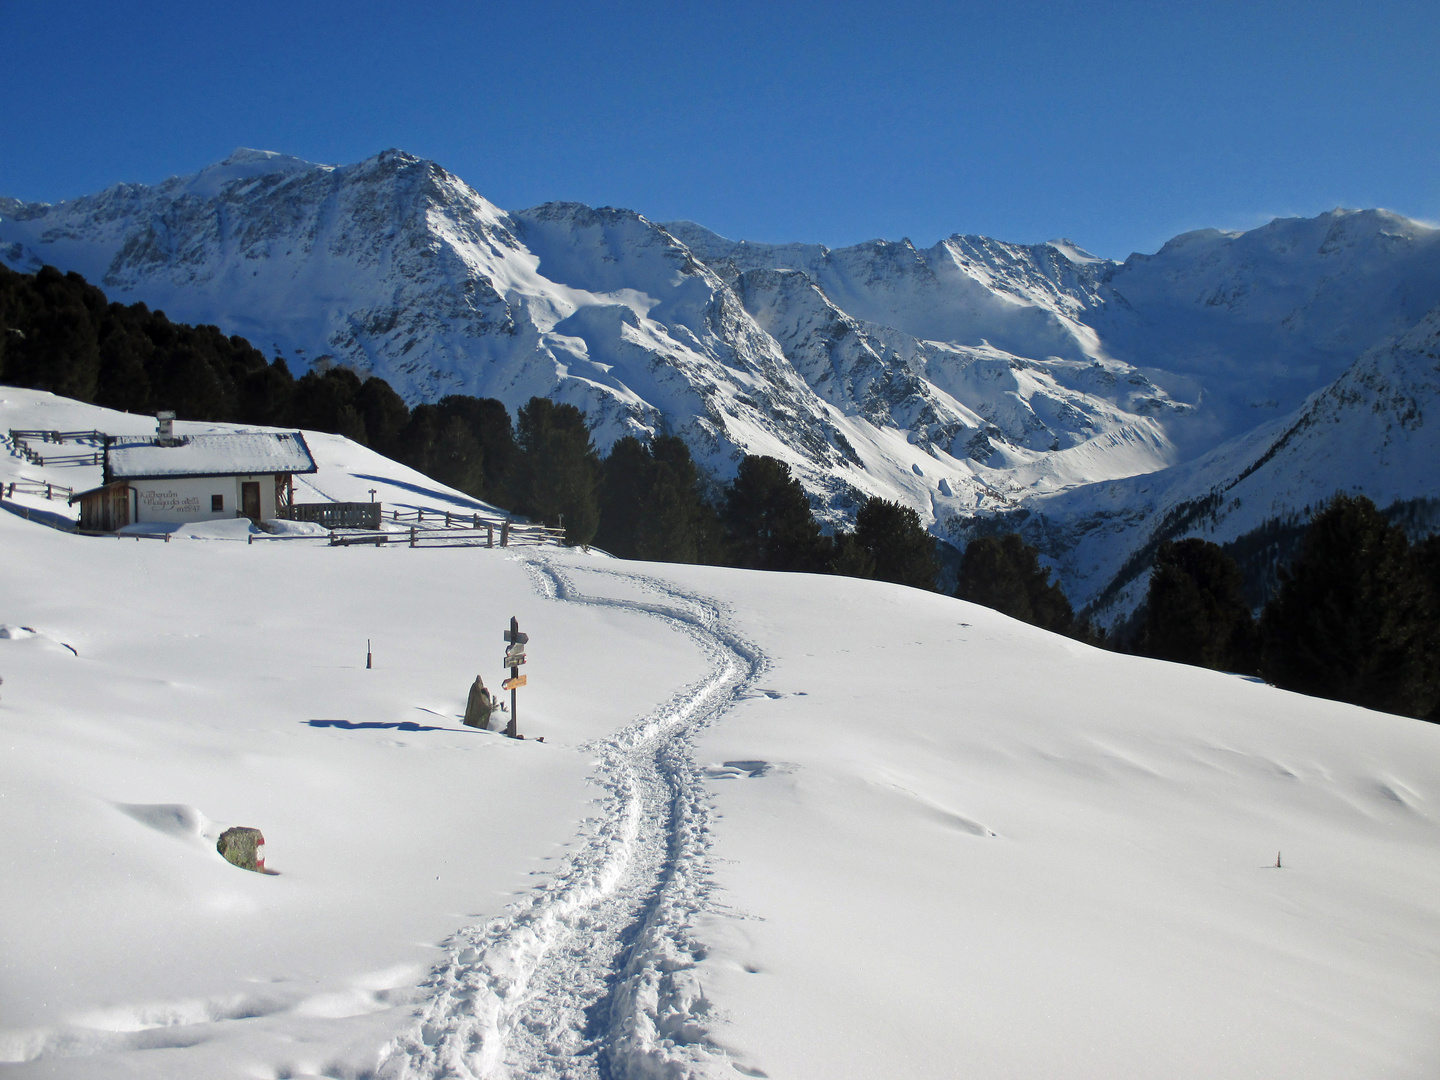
{"points": [[195, 478]]}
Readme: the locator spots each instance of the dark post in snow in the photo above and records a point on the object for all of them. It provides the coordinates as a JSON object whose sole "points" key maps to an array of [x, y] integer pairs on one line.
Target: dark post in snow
{"points": [[514, 657]]}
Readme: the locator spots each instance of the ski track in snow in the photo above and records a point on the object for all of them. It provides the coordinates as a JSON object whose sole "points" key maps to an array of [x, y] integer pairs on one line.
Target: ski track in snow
{"points": [[592, 976]]}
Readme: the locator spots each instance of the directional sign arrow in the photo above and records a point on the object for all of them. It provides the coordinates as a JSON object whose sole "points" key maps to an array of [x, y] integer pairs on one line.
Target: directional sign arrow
{"points": [[516, 636], [513, 659], [512, 684]]}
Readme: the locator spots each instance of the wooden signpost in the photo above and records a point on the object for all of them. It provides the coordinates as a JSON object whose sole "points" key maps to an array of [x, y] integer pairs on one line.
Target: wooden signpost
{"points": [[514, 657]]}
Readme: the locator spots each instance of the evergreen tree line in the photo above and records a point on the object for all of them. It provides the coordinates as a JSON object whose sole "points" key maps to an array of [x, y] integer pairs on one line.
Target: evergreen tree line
{"points": [[1356, 616], [645, 500], [1004, 573], [654, 505]]}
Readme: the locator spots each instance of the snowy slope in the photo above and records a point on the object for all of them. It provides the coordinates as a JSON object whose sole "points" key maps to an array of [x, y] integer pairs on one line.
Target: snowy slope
{"points": [[1374, 431], [849, 829]]}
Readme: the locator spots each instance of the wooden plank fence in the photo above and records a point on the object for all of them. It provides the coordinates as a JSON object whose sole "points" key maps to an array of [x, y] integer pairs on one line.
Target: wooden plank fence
{"points": [[337, 515], [35, 487], [487, 534], [21, 440]]}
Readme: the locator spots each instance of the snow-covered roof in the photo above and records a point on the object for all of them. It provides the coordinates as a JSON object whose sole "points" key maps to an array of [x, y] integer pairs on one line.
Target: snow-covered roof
{"points": [[242, 453]]}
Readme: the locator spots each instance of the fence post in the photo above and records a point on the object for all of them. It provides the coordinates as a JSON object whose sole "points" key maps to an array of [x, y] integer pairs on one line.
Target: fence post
{"points": [[505, 534], [489, 535], [412, 535]]}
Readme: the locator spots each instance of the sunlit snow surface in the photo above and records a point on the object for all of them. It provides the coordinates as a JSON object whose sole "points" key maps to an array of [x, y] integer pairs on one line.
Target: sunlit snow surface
{"points": [[780, 826]]}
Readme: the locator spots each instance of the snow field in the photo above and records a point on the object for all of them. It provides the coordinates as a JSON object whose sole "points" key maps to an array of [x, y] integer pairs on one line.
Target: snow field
{"points": [[781, 825], [595, 976], [229, 679], [982, 850]]}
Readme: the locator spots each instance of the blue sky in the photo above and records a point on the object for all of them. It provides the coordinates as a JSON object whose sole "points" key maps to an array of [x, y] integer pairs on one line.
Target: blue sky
{"points": [[1117, 124]]}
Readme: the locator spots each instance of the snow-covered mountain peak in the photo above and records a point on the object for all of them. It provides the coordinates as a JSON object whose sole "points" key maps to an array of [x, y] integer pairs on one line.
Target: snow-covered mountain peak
{"points": [[1074, 252], [242, 165], [276, 161], [974, 373]]}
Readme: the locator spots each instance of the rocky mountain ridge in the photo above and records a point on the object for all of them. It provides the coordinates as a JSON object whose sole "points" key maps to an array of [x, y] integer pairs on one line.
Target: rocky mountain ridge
{"points": [[968, 379]]}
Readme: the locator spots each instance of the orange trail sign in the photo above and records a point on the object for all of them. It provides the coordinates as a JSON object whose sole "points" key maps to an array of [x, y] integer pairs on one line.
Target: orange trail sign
{"points": [[517, 681]]}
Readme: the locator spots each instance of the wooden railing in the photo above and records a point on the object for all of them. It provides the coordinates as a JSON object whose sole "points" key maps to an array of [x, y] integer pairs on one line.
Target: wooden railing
{"points": [[487, 534], [35, 487], [336, 515], [58, 436], [21, 441]]}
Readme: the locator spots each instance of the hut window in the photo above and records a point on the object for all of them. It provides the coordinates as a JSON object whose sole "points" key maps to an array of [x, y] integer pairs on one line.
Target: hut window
{"points": [[217, 503]]}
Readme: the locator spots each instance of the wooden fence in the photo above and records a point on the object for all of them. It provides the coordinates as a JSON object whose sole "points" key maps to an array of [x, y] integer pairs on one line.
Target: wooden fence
{"points": [[487, 534], [21, 441], [35, 487], [337, 515]]}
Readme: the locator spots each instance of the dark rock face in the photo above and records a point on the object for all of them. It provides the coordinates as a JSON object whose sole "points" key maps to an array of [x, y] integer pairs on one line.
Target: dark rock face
{"points": [[241, 847], [479, 706]]}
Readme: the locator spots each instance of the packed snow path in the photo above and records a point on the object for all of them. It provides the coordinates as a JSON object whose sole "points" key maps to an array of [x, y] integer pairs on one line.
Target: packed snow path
{"points": [[593, 975]]}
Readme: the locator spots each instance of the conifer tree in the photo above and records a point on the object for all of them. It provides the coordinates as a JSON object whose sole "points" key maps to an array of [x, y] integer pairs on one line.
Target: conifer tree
{"points": [[60, 349], [625, 486], [1349, 620], [457, 458], [681, 525], [474, 435], [1426, 556], [1004, 573], [384, 414], [849, 558], [1195, 612], [126, 355], [489, 420], [189, 384], [327, 401], [558, 471], [768, 522], [651, 503], [267, 395], [896, 544]]}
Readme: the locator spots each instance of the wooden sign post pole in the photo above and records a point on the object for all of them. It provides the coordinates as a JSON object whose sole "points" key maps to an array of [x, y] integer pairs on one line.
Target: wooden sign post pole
{"points": [[514, 657], [513, 728]]}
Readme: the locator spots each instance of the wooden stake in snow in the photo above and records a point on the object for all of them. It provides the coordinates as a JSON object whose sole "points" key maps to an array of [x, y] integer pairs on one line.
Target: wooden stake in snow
{"points": [[1277, 861], [367, 654]]}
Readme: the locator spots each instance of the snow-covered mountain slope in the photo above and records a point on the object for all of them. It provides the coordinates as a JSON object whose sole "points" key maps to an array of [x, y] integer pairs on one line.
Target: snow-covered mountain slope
{"points": [[1242, 325], [780, 825], [968, 377], [395, 267], [1024, 300], [1375, 430], [1258, 321]]}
